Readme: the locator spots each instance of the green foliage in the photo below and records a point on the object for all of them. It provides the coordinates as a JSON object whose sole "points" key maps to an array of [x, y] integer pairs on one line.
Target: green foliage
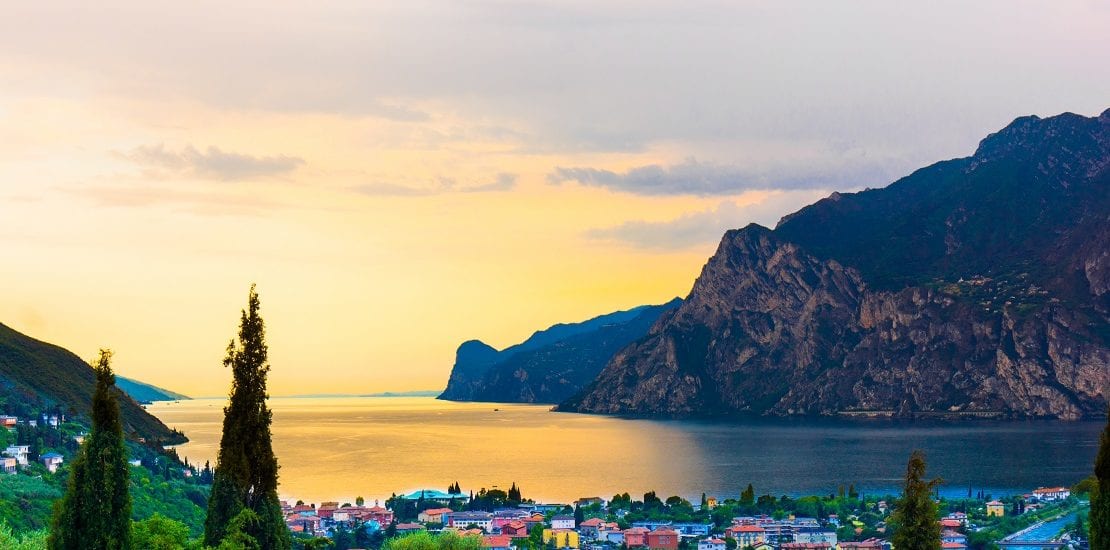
{"points": [[427, 541], [747, 497], [915, 516], [25, 502], [161, 533], [246, 469], [1100, 494], [174, 499], [34, 540], [96, 509]]}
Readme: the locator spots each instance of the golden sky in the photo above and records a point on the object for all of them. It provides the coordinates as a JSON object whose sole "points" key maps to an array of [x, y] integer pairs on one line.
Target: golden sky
{"points": [[398, 178]]}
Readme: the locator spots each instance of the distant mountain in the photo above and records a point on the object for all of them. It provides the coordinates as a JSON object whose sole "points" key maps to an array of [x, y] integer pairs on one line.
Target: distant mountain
{"points": [[146, 393], [975, 286], [35, 376], [552, 364]]}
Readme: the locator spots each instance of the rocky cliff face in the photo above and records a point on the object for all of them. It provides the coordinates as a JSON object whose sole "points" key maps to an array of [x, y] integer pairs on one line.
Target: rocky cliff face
{"points": [[975, 286], [552, 364]]}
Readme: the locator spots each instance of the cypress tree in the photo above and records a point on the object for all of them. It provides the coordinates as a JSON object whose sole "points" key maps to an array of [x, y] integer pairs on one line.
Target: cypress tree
{"points": [[1100, 496], [246, 468], [96, 509], [915, 515]]}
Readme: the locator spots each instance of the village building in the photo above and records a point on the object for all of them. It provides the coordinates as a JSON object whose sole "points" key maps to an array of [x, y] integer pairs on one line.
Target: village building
{"points": [[1051, 493], [563, 538], [662, 539], [497, 542], [52, 461], [8, 465], [996, 509], [562, 522], [635, 537], [433, 515], [19, 452], [711, 544], [463, 520]]}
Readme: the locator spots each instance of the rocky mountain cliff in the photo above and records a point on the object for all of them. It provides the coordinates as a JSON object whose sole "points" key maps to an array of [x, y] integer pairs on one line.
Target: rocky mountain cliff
{"points": [[552, 364], [975, 286]]}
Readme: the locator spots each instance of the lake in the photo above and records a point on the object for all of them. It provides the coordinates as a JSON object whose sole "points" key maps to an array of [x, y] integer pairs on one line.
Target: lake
{"points": [[337, 448]]}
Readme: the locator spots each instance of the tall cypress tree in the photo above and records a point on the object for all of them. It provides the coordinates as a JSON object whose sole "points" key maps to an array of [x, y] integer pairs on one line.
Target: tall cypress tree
{"points": [[96, 509], [1100, 497], [915, 515], [246, 468]]}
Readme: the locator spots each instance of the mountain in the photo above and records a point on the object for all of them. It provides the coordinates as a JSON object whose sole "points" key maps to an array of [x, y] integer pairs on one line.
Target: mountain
{"points": [[975, 286], [36, 376], [146, 393], [552, 364]]}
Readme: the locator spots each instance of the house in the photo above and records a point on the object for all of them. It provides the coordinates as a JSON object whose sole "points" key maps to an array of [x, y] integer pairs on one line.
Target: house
{"points": [[431, 495], [515, 528], [308, 524], [996, 509], [711, 544], [815, 535], [651, 525], [51, 461], [953, 536], [949, 523], [711, 502], [19, 452], [462, 520], [805, 546], [405, 528], [1051, 493], [693, 529], [383, 516], [8, 421], [433, 515], [563, 538], [562, 522], [953, 546], [8, 465], [869, 544], [497, 542], [662, 539], [746, 535], [591, 528], [589, 501], [635, 537]]}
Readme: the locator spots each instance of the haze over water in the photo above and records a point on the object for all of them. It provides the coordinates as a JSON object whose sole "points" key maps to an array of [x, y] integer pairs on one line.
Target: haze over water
{"points": [[337, 448]]}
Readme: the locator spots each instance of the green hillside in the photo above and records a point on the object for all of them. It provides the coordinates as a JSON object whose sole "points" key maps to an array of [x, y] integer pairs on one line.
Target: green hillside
{"points": [[36, 376]]}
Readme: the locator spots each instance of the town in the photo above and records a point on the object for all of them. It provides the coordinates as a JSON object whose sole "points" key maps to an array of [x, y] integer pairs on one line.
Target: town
{"points": [[843, 521]]}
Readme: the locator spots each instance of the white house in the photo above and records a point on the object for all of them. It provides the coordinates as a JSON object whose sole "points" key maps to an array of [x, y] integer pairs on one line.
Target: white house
{"points": [[19, 452], [711, 544], [51, 461], [1052, 493], [461, 520], [562, 522]]}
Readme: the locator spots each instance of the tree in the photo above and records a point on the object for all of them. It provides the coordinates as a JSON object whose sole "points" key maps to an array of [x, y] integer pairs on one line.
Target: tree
{"points": [[359, 501], [915, 515], [747, 498], [96, 509], [1100, 494], [246, 468], [159, 533]]}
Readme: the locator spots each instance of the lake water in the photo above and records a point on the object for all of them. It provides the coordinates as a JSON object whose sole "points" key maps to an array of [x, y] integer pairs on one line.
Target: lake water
{"points": [[337, 448]]}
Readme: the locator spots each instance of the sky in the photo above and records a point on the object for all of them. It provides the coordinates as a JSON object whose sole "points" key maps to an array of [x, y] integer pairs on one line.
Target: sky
{"points": [[398, 177]]}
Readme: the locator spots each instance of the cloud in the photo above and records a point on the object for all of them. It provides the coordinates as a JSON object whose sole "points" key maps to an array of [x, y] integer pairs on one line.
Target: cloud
{"points": [[692, 177], [212, 163], [502, 182], [698, 229]]}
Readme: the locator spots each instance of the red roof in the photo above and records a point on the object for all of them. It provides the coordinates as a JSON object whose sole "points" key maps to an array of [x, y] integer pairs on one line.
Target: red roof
{"points": [[592, 522], [952, 545], [497, 541], [749, 529]]}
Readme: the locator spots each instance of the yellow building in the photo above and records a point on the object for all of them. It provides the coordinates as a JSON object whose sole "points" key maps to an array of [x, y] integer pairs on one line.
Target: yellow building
{"points": [[995, 508], [564, 538], [711, 502]]}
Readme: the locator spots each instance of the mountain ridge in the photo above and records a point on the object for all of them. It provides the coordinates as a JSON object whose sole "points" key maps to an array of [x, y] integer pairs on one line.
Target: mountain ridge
{"points": [[973, 286]]}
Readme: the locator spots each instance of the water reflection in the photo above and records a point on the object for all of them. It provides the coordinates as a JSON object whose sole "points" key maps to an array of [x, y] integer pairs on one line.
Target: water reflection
{"points": [[339, 448]]}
